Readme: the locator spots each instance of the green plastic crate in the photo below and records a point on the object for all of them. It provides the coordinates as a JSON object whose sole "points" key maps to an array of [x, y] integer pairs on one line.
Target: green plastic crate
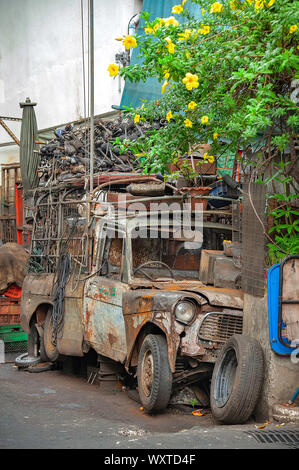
{"points": [[15, 339]]}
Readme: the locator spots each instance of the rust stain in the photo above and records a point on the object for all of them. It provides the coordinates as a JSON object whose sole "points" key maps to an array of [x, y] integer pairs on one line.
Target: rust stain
{"points": [[112, 339]]}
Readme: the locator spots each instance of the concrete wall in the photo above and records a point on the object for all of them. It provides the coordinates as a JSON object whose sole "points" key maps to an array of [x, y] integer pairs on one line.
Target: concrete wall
{"points": [[281, 374], [41, 57]]}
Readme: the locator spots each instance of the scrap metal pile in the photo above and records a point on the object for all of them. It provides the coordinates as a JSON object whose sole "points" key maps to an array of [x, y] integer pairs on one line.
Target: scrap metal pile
{"points": [[67, 156]]}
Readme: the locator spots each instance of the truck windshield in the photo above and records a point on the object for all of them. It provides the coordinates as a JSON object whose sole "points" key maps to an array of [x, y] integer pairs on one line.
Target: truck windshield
{"points": [[162, 255]]}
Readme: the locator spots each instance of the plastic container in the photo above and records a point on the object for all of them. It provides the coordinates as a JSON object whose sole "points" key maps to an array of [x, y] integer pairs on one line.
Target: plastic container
{"points": [[13, 292], [222, 190]]}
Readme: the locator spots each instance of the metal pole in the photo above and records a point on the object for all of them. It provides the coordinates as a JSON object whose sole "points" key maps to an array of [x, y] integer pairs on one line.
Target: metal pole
{"points": [[91, 90]]}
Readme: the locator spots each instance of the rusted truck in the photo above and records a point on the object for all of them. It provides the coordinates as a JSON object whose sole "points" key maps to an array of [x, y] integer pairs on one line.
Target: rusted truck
{"points": [[141, 304]]}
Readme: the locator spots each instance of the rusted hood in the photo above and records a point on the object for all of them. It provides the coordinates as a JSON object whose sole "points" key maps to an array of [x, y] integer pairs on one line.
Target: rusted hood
{"points": [[163, 296], [220, 297]]}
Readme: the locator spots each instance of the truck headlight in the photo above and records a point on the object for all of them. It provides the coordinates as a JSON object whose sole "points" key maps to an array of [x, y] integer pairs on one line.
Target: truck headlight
{"points": [[185, 311]]}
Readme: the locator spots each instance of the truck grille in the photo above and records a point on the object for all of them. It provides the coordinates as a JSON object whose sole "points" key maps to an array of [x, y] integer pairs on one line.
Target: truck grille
{"points": [[220, 326]]}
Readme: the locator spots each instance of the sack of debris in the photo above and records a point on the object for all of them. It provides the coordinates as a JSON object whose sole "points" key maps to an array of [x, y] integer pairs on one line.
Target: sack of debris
{"points": [[13, 265]]}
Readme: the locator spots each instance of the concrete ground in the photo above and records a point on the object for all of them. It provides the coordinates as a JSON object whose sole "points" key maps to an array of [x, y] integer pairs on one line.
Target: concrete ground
{"points": [[53, 409]]}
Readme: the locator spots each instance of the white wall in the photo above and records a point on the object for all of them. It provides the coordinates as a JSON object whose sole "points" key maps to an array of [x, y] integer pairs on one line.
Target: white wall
{"points": [[41, 57]]}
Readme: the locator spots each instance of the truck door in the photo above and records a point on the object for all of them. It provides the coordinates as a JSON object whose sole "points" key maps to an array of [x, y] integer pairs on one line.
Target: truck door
{"points": [[103, 315]]}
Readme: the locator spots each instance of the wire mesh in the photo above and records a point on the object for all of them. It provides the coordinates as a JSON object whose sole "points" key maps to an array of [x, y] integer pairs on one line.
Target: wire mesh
{"points": [[253, 240], [59, 226]]}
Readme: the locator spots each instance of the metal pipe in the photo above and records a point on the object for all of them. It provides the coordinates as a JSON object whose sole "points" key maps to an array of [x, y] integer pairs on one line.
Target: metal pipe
{"points": [[91, 89]]}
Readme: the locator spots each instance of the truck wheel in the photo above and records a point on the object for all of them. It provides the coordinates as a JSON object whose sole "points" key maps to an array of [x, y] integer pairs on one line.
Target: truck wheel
{"points": [[48, 350], [154, 374], [237, 380]]}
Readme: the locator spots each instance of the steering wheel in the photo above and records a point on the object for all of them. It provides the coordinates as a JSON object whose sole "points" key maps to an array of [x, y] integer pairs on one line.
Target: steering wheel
{"points": [[139, 268]]}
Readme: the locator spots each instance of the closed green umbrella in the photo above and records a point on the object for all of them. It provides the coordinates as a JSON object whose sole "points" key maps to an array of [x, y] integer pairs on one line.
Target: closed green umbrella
{"points": [[29, 158]]}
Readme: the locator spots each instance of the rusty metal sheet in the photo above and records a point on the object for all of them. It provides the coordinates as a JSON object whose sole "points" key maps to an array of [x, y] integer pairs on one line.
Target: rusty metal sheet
{"points": [[189, 343], [171, 328], [70, 341], [36, 290], [104, 325]]}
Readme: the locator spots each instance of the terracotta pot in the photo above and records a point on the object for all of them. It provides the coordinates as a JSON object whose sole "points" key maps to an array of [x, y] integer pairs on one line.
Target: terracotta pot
{"points": [[197, 191]]}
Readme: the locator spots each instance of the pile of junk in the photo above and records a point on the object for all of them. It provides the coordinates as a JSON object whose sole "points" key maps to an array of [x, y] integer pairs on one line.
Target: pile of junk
{"points": [[66, 158], [67, 155]]}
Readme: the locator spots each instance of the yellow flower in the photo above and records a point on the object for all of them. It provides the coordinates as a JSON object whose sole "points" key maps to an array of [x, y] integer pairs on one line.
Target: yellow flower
{"points": [[204, 30], [216, 135], [169, 116], [293, 29], [113, 70], [203, 11], [188, 123], [233, 5], [148, 30], [192, 105], [171, 21], [166, 74], [188, 55], [165, 84], [259, 4], [205, 119], [190, 81], [177, 9], [137, 118], [129, 42], [183, 2], [155, 27], [185, 35], [210, 158], [270, 3], [216, 7], [170, 46]]}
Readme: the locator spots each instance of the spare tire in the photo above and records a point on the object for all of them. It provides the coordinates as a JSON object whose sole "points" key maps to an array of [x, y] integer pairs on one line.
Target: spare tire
{"points": [[23, 361], [237, 380]]}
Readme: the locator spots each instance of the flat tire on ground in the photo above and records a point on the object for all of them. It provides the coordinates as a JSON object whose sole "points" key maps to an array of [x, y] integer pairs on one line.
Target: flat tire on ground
{"points": [[153, 373], [237, 380], [23, 361]]}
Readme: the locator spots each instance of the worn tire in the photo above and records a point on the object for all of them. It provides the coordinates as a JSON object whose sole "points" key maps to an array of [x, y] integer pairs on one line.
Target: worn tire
{"points": [[48, 351], [237, 380], [155, 387], [23, 361], [41, 367]]}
